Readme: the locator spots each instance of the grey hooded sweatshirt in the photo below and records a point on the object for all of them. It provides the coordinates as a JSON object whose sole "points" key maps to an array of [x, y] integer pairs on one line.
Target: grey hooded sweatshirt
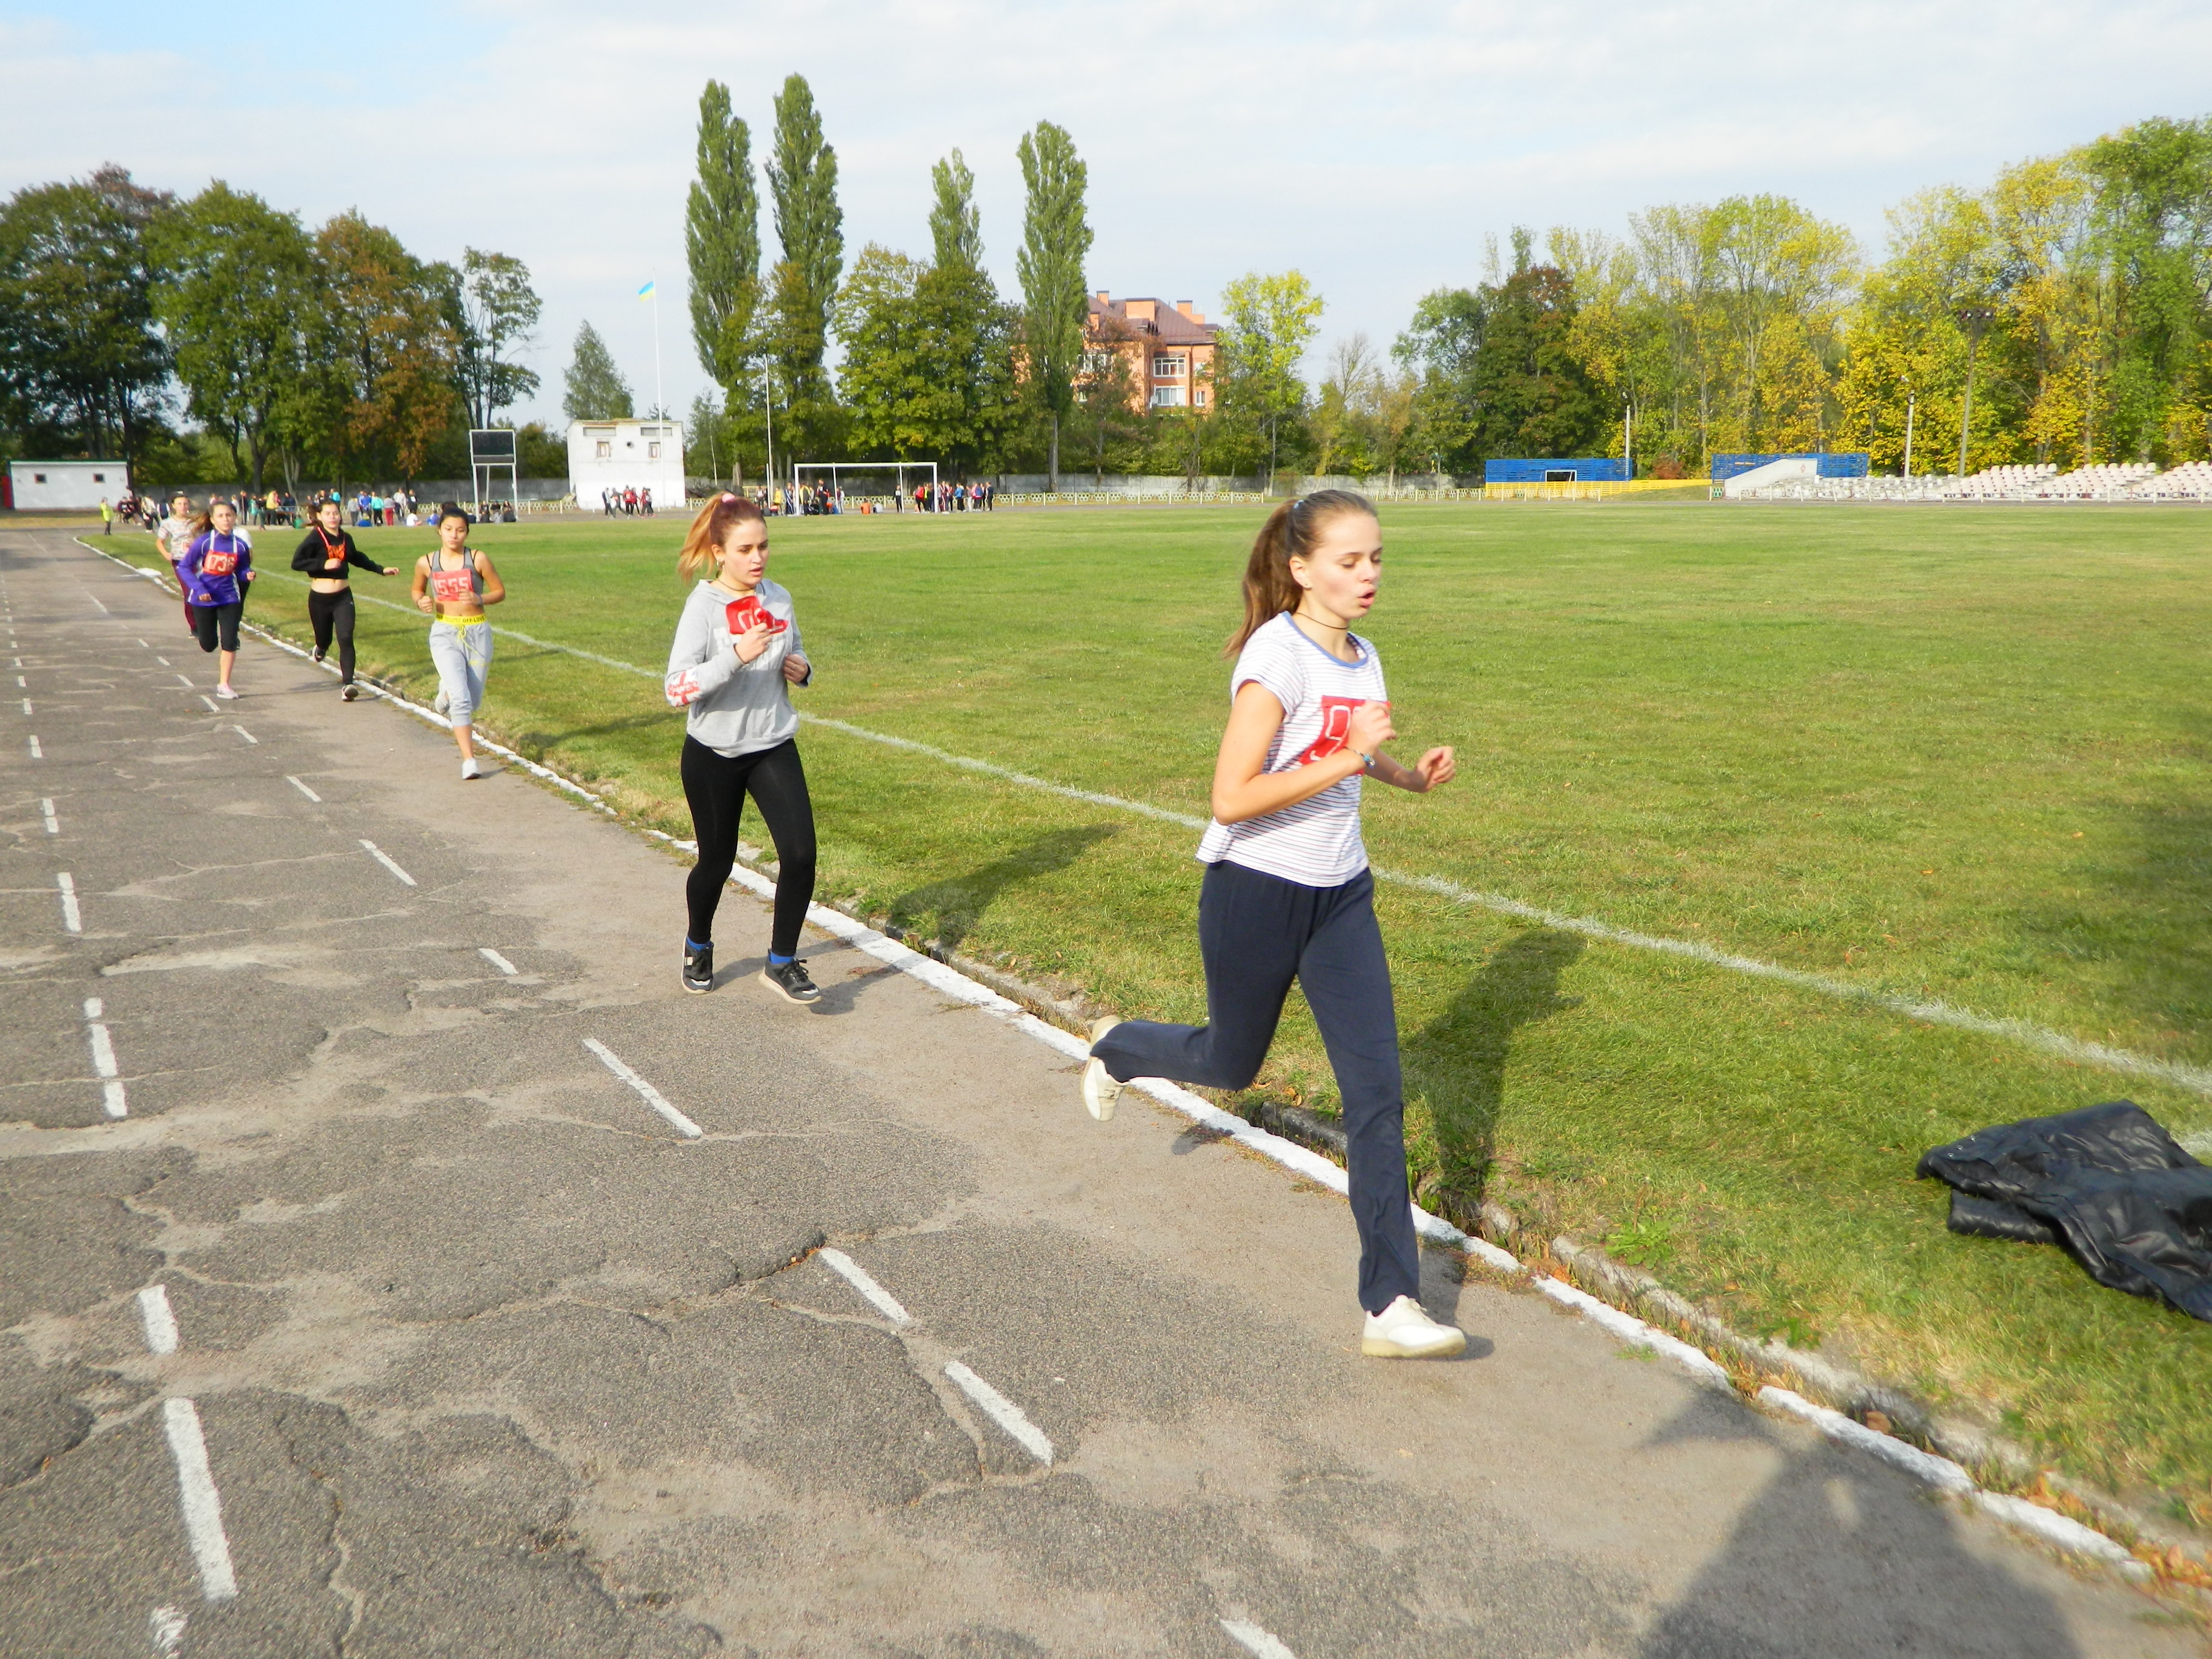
{"points": [[734, 708]]}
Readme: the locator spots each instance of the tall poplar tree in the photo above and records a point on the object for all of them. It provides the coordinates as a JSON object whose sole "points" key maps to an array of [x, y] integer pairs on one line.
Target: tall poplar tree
{"points": [[802, 179], [1056, 301], [593, 389], [721, 240], [955, 225]]}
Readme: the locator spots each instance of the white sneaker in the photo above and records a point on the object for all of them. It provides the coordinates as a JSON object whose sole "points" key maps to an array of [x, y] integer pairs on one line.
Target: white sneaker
{"points": [[225, 692], [468, 769], [1100, 1090], [440, 702], [1404, 1331]]}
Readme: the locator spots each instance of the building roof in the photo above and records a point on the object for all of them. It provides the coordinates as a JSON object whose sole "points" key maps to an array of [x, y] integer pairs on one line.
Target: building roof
{"points": [[1156, 320]]}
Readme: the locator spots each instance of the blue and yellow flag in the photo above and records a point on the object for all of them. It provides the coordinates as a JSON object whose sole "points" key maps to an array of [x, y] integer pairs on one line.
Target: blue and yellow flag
{"points": [[646, 293]]}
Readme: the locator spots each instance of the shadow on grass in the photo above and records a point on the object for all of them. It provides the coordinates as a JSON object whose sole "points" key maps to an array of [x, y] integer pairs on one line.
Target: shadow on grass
{"points": [[957, 904], [1456, 1062], [547, 741]]}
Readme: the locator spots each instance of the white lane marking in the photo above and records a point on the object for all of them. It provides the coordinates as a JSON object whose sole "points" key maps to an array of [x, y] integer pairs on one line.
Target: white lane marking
{"points": [[303, 788], [497, 961], [165, 1628], [210, 701], [112, 1100], [148, 646], [20, 682], [877, 1298], [26, 709], [379, 855], [46, 811], [103, 608], [202, 1504], [1001, 1411], [72, 918], [182, 681], [652, 1096], [247, 735], [158, 1319], [37, 753], [1255, 1640]]}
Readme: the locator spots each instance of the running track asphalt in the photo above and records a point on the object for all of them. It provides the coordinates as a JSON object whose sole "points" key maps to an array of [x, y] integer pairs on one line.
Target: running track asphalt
{"points": [[486, 1355]]}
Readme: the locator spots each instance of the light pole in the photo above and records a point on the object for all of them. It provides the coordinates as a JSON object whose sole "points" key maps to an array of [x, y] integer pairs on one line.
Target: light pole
{"points": [[1909, 397], [1973, 320], [768, 408]]}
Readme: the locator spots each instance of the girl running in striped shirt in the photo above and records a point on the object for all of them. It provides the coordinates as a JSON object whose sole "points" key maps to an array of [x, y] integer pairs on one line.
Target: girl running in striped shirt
{"points": [[1287, 892]]}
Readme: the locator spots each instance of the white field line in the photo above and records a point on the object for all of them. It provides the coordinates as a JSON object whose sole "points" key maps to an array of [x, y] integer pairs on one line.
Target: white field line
{"points": [[303, 789], [112, 1100], [27, 710], [203, 1506], [46, 811], [1001, 1411], [858, 1276], [1254, 1640], [158, 1319], [497, 961], [72, 917], [103, 608], [651, 1096], [247, 735], [212, 706], [384, 858], [165, 1628], [2197, 1080], [182, 681], [37, 753]]}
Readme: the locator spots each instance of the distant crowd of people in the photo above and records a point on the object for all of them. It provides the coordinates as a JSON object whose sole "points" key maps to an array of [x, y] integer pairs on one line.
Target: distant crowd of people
{"points": [[366, 509], [627, 503]]}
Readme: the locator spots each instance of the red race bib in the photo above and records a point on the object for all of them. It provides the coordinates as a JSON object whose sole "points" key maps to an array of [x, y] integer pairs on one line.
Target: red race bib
{"points": [[213, 563], [1335, 726], [750, 612], [454, 587]]}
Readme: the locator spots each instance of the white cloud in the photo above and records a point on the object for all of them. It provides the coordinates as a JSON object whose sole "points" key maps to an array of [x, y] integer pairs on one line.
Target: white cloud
{"points": [[1372, 146]]}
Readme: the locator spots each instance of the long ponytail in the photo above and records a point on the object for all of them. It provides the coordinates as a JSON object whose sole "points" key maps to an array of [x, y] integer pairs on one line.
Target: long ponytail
{"points": [[1291, 532]]}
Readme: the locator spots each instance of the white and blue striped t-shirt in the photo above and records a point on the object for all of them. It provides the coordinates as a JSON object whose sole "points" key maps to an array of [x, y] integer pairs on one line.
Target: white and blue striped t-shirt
{"points": [[1317, 842]]}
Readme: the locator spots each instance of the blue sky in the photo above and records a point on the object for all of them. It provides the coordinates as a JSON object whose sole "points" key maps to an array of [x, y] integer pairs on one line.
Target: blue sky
{"points": [[1373, 147]]}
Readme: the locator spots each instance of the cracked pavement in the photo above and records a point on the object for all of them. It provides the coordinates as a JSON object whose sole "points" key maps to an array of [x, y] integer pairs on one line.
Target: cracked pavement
{"points": [[490, 1360]]}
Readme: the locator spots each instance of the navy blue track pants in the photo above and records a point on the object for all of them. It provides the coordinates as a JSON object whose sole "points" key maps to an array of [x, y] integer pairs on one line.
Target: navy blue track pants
{"points": [[1257, 932]]}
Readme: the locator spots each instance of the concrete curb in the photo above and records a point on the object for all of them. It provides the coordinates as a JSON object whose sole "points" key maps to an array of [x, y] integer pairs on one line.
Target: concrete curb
{"points": [[1310, 1147]]}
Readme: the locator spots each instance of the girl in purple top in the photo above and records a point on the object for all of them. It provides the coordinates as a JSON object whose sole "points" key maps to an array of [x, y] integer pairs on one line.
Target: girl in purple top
{"points": [[216, 566]]}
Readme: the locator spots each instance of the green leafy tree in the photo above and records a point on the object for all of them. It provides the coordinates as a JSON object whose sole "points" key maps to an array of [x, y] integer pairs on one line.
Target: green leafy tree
{"points": [[397, 352], [498, 311], [1109, 407], [721, 240], [241, 299], [1532, 394], [802, 176], [1056, 301], [593, 388], [80, 356], [2154, 214], [1439, 348], [956, 229], [1272, 320], [928, 366]]}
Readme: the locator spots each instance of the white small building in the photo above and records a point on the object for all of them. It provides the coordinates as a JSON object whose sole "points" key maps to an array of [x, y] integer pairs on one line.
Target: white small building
{"points": [[627, 454], [65, 486]]}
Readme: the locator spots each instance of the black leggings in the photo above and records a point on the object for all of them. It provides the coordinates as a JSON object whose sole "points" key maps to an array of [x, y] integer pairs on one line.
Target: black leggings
{"points": [[333, 613], [216, 621], [716, 786]]}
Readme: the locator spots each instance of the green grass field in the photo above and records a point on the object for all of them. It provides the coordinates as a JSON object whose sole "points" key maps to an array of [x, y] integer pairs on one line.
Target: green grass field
{"points": [[1955, 753]]}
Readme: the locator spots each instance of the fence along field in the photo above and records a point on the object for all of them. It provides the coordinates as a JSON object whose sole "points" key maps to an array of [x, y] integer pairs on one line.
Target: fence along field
{"points": [[1954, 758]]}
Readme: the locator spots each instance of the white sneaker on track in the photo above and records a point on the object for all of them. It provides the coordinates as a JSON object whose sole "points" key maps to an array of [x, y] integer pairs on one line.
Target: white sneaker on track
{"points": [[225, 692], [1100, 1090], [469, 770], [1404, 1331]]}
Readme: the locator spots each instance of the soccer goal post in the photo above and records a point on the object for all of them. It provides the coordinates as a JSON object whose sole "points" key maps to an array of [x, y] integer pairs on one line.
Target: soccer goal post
{"points": [[889, 482], [491, 450]]}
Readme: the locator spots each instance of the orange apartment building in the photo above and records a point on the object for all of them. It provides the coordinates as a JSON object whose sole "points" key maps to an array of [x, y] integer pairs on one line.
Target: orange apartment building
{"points": [[1169, 348]]}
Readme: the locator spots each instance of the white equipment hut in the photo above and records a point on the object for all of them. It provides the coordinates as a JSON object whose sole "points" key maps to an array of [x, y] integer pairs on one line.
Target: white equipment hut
{"points": [[627, 454], [66, 486]]}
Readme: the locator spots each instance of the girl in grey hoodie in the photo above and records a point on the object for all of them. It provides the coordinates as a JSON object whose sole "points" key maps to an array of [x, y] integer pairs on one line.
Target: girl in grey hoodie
{"points": [[737, 654]]}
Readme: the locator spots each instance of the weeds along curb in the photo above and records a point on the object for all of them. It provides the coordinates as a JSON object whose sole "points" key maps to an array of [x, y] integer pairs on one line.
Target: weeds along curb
{"points": [[1954, 1458]]}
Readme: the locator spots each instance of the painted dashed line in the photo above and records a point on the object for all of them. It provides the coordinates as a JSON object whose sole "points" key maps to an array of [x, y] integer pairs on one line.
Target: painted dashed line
{"points": [[651, 1096], [874, 1294], [303, 789], [202, 1504], [72, 917], [182, 681], [46, 811], [159, 1320], [37, 753], [20, 682], [1001, 1411], [1254, 1640], [103, 608], [27, 710], [384, 858], [210, 701], [112, 1101], [497, 960], [165, 1628], [247, 735]]}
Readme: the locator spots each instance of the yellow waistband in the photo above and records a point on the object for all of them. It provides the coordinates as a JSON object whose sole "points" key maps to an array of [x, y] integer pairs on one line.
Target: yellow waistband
{"points": [[459, 622]]}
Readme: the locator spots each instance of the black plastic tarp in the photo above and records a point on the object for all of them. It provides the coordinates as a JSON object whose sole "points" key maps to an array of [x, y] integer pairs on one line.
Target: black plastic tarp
{"points": [[2106, 1182]]}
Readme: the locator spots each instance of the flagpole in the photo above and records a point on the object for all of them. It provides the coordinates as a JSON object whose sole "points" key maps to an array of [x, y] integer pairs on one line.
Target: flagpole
{"points": [[659, 400]]}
